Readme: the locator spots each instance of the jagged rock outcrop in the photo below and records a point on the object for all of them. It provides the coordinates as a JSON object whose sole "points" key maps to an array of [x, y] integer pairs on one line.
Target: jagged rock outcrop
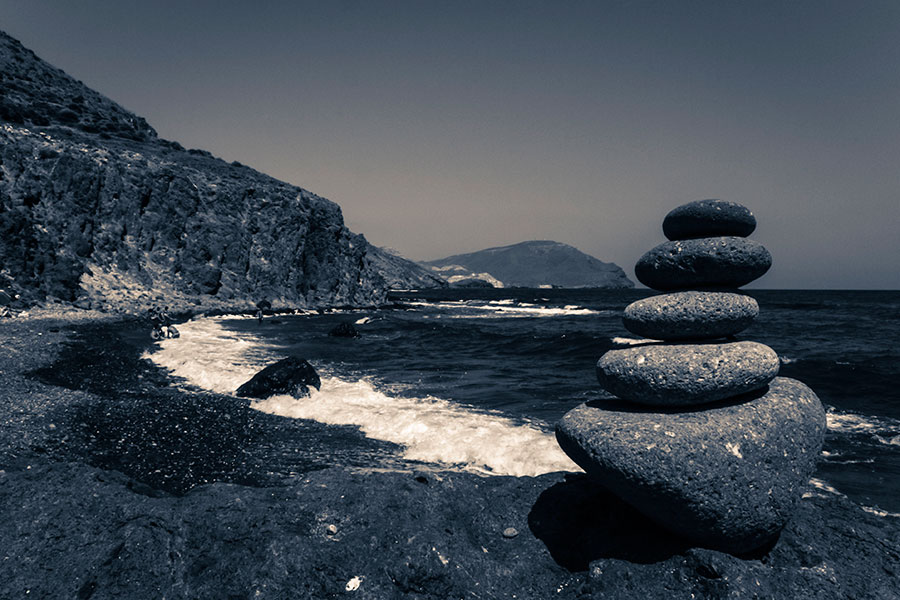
{"points": [[402, 274], [534, 264], [96, 209]]}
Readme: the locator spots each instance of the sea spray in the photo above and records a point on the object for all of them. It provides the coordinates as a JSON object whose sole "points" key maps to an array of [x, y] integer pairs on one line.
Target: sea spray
{"points": [[430, 429]]}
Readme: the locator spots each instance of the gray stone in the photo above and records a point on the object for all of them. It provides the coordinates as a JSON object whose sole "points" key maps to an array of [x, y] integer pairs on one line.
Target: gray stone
{"points": [[727, 477], [714, 262], [690, 315], [291, 375], [685, 374], [708, 218]]}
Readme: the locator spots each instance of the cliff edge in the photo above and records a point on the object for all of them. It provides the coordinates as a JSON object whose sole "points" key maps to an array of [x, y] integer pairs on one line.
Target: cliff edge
{"points": [[97, 210]]}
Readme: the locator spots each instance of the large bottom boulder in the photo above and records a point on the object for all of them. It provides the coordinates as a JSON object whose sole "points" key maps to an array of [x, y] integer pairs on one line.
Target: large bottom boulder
{"points": [[725, 476], [290, 375]]}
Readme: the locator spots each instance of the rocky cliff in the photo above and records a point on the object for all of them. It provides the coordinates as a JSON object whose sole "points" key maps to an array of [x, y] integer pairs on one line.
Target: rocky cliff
{"points": [[533, 264], [96, 209]]}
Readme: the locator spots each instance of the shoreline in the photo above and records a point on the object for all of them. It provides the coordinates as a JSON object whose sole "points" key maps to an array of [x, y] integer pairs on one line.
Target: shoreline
{"points": [[115, 483]]}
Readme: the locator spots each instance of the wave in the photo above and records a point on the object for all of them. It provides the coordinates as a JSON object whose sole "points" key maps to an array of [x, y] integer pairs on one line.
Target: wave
{"points": [[624, 341], [504, 309], [209, 356], [430, 429], [884, 430], [824, 489]]}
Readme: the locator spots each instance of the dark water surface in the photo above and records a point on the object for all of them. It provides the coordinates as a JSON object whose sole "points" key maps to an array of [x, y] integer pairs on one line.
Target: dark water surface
{"points": [[529, 355]]}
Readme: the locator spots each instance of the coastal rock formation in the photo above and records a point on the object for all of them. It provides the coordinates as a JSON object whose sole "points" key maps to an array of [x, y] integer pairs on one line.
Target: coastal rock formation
{"points": [[690, 315], [725, 475], [345, 330], [291, 375], [115, 484], [708, 218], [714, 262], [95, 208], [700, 438], [535, 264], [683, 374]]}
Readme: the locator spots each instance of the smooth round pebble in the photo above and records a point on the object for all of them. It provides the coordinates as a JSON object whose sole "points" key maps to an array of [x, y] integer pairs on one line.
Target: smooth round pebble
{"points": [[686, 374], [690, 315], [714, 262], [727, 477], [510, 532], [708, 218]]}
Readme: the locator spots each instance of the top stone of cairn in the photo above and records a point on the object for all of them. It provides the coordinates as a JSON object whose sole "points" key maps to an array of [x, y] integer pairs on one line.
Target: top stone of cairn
{"points": [[708, 218]]}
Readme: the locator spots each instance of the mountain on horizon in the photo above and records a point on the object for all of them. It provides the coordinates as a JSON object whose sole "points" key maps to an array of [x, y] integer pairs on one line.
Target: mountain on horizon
{"points": [[538, 263], [97, 210]]}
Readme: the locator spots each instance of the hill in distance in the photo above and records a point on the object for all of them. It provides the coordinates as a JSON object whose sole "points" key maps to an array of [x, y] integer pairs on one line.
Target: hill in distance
{"points": [[531, 264]]}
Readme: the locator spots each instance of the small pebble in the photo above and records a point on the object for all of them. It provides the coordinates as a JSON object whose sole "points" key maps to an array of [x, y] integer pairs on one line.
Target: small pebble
{"points": [[331, 530], [510, 532]]}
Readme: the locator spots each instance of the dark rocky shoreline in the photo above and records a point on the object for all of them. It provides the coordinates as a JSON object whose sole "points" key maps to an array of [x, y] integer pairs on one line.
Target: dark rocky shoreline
{"points": [[117, 484]]}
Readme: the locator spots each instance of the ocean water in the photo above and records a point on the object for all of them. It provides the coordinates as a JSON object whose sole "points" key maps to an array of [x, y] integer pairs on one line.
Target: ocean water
{"points": [[475, 379]]}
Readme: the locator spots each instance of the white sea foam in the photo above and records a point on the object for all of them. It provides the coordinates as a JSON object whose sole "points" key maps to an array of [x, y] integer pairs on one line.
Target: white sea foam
{"points": [[824, 486], [430, 429], [624, 341], [879, 512], [884, 430], [503, 309]]}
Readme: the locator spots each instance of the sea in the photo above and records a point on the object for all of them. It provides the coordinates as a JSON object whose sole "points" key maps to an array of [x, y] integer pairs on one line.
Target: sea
{"points": [[474, 379]]}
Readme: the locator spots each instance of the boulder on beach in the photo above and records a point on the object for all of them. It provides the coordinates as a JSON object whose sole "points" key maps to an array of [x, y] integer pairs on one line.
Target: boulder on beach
{"points": [[713, 262], [708, 218], [690, 315], [291, 375], [685, 374], [345, 329], [726, 476]]}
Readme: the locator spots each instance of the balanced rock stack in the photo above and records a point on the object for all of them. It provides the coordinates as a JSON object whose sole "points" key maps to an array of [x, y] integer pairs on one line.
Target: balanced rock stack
{"points": [[702, 437]]}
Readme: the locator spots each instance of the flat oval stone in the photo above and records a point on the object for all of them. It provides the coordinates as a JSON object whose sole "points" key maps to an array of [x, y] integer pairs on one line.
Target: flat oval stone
{"points": [[690, 315], [708, 218], [686, 374], [714, 262], [727, 477]]}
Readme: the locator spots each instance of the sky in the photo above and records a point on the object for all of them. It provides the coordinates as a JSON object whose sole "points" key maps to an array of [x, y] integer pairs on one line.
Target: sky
{"points": [[443, 127]]}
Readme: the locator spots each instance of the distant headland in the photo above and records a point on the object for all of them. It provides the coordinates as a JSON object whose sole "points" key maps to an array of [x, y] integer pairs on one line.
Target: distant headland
{"points": [[539, 263]]}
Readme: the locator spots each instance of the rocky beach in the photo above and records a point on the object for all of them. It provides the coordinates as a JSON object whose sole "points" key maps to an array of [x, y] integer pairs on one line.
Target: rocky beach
{"points": [[407, 452], [99, 503]]}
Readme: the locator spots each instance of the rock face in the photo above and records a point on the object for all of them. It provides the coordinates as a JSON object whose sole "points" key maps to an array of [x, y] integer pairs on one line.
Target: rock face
{"points": [[291, 375], [684, 374], [537, 263], [690, 315], [708, 218], [727, 476], [716, 262], [695, 439], [401, 274], [94, 206]]}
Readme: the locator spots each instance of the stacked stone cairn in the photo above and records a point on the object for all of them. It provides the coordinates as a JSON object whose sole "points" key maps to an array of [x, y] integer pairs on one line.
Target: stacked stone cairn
{"points": [[701, 437]]}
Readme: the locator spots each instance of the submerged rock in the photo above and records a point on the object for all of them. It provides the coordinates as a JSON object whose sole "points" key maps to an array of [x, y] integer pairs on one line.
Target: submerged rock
{"points": [[345, 329], [727, 477], [713, 262], [289, 375], [690, 315], [708, 218], [684, 374]]}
